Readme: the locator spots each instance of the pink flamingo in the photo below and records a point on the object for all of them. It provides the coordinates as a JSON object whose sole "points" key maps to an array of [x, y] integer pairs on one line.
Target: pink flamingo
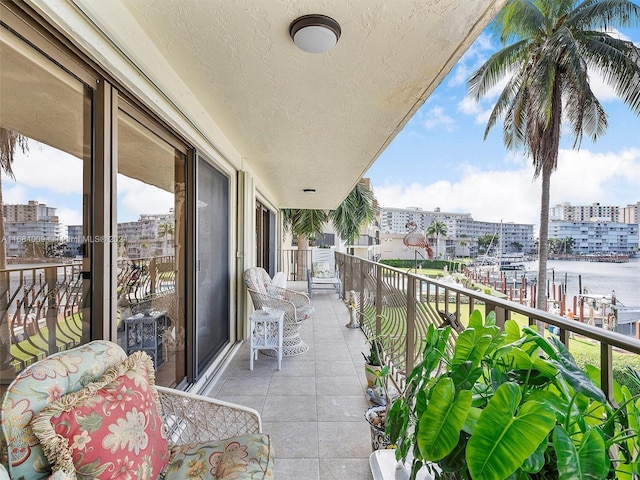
{"points": [[415, 240]]}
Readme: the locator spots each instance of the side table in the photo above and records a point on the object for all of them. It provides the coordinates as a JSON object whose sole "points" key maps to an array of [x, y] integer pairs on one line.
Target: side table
{"points": [[143, 331], [266, 333]]}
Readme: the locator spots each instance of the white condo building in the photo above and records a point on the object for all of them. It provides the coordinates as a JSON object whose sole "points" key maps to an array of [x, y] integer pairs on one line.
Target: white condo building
{"points": [[597, 237], [462, 233]]}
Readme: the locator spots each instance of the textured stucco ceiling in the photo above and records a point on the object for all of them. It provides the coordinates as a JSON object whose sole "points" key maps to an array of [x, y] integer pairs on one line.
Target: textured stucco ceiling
{"points": [[302, 120]]}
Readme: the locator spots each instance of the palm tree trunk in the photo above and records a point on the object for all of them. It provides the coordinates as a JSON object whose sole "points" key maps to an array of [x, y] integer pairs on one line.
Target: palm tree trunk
{"points": [[5, 333], [301, 264], [543, 247]]}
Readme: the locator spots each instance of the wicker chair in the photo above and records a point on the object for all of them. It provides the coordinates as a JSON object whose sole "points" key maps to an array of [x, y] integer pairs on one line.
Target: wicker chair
{"points": [[190, 421], [296, 306]]}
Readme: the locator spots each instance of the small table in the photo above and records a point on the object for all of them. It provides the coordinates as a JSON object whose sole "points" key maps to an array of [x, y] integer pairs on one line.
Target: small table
{"points": [[144, 331], [266, 333]]}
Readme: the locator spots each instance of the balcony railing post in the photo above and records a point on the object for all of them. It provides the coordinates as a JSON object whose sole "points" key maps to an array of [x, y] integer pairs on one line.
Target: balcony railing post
{"points": [[606, 369], [52, 307], [378, 301], [411, 322], [153, 272]]}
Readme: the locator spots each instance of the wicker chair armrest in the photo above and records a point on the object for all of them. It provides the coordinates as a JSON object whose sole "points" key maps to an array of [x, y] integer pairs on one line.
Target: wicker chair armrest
{"points": [[264, 300], [299, 299], [193, 418]]}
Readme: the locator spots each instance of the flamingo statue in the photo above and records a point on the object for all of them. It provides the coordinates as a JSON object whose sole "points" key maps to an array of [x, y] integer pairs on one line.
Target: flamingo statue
{"points": [[415, 240]]}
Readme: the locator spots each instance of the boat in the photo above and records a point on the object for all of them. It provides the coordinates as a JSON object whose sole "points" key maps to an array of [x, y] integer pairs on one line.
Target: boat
{"points": [[607, 311]]}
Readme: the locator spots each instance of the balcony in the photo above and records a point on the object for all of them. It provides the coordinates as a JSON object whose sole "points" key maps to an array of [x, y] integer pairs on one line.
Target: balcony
{"points": [[314, 407]]}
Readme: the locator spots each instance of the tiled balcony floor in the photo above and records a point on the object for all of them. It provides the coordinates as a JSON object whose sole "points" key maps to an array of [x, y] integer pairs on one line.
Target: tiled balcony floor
{"points": [[314, 407]]}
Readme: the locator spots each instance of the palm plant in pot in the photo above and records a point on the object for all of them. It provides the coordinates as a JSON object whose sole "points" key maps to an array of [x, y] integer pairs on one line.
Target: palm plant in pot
{"points": [[511, 404], [377, 379], [373, 362]]}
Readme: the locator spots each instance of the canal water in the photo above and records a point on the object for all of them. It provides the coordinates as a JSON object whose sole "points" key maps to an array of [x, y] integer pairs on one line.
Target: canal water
{"points": [[597, 278]]}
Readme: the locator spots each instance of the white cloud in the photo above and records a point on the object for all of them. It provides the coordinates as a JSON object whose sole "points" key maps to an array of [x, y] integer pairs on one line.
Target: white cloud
{"points": [[583, 177], [136, 197], [46, 167], [469, 106], [14, 193], [436, 117], [69, 216]]}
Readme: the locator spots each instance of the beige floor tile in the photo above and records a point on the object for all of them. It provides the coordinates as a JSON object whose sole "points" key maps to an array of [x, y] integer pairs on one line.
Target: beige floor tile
{"points": [[342, 408], [339, 385], [292, 385], [335, 368], [293, 439], [297, 469], [254, 385], [344, 439], [345, 468], [290, 408]]}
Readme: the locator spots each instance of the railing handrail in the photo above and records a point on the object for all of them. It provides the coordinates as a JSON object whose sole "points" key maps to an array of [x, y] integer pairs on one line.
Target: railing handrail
{"points": [[408, 287]]}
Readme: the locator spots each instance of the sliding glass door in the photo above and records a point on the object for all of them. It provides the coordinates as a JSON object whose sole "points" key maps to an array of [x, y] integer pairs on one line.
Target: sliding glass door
{"points": [[212, 264]]}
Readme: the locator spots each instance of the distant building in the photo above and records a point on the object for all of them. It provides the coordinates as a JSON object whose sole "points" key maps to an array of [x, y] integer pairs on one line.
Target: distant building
{"points": [[597, 237], [462, 233], [141, 238], [629, 214], [584, 213], [27, 226]]}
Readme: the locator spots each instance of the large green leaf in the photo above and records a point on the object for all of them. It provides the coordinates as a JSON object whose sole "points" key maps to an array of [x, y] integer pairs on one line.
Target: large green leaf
{"points": [[506, 434], [475, 320], [535, 462], [470, 346], [440, 425], [512, 330], [465, 375], [574, 376], [587, 461]]}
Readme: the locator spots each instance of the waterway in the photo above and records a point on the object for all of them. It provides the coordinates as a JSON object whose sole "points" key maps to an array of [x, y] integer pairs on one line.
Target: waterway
{"points": [[597, 277]]}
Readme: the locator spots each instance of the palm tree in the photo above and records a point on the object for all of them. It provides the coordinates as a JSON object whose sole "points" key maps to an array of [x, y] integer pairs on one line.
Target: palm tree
{"points": [[463, 245], [9, 142], [556, 44], [164, 231], [303, 224], [436, 229], [356, 210]]}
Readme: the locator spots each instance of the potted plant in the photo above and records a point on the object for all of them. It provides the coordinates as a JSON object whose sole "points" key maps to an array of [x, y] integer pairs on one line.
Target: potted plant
{"points": [[510, 404], [373, 362], [377, 391]]}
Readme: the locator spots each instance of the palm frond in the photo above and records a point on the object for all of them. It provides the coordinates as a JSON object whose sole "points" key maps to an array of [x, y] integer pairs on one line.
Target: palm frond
{"points": [[10, 141], [354, 211]]}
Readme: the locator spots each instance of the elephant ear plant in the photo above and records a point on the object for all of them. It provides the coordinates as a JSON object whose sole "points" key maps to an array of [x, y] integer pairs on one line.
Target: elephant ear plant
{"points": [[511, 404]]}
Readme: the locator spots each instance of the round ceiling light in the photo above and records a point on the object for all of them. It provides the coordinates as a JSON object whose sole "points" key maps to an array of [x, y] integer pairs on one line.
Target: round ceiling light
{"points": [[315, 33]]}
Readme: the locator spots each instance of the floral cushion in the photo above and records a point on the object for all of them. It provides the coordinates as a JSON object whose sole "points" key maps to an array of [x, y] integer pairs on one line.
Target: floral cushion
{"points": [[35, 387], [110, 429], [322, 270], [243, 457]]}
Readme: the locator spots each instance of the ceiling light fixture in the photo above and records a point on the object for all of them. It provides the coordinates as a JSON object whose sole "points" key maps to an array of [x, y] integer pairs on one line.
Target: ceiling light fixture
{"points": [[315, 33], [309, 190]]}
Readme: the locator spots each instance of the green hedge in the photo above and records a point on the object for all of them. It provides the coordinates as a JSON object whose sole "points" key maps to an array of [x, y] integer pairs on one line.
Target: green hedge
{"points": [[620, 363], [426, 264]]}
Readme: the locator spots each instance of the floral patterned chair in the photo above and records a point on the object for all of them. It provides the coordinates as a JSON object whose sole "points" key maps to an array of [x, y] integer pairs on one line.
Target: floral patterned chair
{"points": [[92, 412], [296, 306]]}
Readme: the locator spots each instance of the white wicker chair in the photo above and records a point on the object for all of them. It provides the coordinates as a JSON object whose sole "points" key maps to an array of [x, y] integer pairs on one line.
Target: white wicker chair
{"points": [[189, 419], [296, 306]]}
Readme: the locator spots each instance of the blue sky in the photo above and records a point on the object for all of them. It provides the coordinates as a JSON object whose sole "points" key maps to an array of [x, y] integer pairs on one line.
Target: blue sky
{"points": [[441, 159]]}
